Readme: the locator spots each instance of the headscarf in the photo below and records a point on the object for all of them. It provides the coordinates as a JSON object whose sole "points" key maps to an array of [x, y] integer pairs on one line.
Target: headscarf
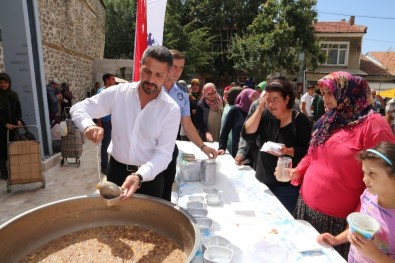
{"points": [[196, 95], [243, 100], [352, 95], [232, 94], [215, 105], [7, 94], [261, 86]]}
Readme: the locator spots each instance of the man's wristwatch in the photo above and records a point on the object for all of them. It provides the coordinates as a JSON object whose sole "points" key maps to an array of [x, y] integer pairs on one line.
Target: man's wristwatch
{"points": [[140, 179]]}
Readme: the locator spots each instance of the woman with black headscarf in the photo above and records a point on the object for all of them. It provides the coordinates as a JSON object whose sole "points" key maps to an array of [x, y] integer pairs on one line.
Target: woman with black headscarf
{"points": [[10, 118]]}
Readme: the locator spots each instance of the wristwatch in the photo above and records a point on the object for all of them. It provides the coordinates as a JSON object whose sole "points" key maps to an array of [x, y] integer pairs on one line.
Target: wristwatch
{"points": [[140, 179]]}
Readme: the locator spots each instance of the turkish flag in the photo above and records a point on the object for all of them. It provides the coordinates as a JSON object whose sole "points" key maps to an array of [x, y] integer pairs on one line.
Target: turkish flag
{"points": [[140, 41]]}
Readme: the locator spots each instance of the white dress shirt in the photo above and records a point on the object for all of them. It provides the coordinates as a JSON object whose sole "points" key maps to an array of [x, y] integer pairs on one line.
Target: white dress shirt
{"points": [[143, 137]]}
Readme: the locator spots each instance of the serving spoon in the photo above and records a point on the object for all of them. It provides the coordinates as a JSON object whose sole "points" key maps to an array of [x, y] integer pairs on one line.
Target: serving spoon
{"points": [[107, 189]]}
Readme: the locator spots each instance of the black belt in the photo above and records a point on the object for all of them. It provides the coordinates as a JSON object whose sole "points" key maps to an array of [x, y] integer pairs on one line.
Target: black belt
{"points": [[128, 167]]}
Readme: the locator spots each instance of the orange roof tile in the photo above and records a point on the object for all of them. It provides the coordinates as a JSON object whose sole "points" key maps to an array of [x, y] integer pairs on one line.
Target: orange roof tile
{"points": [[387, 59], [371, 68], [338, 27]]}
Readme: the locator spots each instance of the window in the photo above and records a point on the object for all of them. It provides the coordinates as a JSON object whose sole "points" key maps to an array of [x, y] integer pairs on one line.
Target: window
{"points": [[336, 53]]}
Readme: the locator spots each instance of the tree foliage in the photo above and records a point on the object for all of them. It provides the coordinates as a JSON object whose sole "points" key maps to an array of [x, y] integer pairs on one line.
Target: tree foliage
{"points": [[223, 19], [220, 37], [120, 29], [278, 35], [182, 34]]}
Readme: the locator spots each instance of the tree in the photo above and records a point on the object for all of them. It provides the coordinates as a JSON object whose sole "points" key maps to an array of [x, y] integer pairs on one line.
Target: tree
{"points": [[182, 34], [224, 19], [120, 29], [280, 33]]}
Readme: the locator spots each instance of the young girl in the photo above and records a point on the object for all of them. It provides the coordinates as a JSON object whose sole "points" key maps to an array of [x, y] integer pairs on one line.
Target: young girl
{"points": [[378, 201]]}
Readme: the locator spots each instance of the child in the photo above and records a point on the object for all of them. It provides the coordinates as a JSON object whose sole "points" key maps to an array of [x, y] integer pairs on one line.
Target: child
{"points": [[378, 201]]}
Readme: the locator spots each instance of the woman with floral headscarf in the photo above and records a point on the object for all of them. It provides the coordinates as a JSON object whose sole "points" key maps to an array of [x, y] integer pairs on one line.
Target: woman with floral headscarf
{"points": [[208, 113], [235, 119], [330, 175], [10, 118]]}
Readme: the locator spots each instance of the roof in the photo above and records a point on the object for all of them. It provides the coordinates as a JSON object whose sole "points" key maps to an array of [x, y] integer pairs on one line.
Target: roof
{"points": [[338, 27], [385, 59], [371, 67]]}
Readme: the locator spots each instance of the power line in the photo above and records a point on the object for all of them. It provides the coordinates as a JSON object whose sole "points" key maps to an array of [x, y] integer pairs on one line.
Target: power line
{"points": [[373, 17]]}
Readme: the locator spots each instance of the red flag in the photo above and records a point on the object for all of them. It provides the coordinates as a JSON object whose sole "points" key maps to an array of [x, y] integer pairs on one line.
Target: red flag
{"points": [[140, 38]]}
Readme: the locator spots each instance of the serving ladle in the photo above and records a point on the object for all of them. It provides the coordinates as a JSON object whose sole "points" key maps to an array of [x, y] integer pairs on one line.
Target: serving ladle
{"points": [[108, 190]]}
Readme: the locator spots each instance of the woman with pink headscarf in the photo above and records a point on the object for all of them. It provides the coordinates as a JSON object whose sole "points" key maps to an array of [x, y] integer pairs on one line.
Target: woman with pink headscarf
{"points": [[208, 113], [235, 119], [329, 174]]}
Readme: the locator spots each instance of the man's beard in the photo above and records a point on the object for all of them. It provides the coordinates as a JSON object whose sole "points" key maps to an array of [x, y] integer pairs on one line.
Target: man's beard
{"points": [[153, 90]]}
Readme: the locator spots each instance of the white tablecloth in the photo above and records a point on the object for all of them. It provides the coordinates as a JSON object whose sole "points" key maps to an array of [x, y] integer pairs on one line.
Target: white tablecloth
{"points": [[251, 217]]}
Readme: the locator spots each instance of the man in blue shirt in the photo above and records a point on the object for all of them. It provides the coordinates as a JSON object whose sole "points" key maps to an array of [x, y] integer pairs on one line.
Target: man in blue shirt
{"points": [[105, 123], [180, 96]]}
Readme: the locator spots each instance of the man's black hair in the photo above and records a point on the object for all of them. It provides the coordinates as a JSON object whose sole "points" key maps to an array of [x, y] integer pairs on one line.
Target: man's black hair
{"points": [[159, 53], [107, 76]]}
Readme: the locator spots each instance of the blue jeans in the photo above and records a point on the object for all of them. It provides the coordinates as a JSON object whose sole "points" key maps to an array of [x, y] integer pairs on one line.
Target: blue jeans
{"points": [[106, 125]]}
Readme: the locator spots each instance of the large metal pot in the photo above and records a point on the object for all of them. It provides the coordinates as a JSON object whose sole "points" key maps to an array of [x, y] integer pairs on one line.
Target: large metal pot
{"points": [[30, 230]]}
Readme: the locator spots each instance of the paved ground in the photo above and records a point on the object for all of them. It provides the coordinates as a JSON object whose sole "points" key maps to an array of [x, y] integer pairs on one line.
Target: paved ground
{"points": [[61, 182]]}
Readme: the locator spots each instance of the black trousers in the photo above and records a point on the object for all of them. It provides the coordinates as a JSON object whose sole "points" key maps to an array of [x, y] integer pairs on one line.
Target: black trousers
{"points": [[170, 174], [117, 173]]}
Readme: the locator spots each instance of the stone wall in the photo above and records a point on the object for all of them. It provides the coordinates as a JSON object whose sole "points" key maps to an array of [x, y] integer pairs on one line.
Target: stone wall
{"points": [[73, 35]]}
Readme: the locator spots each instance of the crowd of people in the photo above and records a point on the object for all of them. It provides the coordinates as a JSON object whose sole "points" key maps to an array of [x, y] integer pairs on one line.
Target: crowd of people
{"points": [[342, 147]]}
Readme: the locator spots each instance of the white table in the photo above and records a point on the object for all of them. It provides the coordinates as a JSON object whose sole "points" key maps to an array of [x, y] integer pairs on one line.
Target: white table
{"points": [[251, 217]]}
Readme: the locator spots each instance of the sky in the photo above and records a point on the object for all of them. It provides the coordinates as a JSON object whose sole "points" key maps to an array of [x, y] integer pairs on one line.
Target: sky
{"points": [[377, 15]]}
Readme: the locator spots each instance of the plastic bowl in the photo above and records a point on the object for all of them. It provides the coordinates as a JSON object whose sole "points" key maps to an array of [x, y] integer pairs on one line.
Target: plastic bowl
{"points": [[204, 223], [215, 241], [217, 254], [363, 224], [213, 199], [198, 212], [210, 191], [196, 198], [191, 205]]}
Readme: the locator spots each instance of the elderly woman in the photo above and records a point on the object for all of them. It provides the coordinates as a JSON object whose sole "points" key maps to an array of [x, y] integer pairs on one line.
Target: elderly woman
{"points": [[235, 119], [330, 175], [208, 113], [10, 118], [275, 120]]}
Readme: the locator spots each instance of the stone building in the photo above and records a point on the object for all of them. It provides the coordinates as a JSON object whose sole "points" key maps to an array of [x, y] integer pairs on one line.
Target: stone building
{"points": [[73, 36]]}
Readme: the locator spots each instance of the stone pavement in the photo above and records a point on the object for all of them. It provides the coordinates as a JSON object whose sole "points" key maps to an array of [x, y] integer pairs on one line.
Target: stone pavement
{"points": [[61, 182]]}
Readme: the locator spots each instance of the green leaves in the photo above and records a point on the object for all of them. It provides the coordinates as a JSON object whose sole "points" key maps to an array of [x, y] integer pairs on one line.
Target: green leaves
{"points": [[276, 38]]}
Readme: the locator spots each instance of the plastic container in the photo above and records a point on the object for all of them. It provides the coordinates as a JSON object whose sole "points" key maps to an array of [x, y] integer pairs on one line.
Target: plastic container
{"points": [[213, 199], [208, 170], [215, 241], [196, 198], [284, 164], [363, 224], [217, 254], [204, 222], [198, 212], [191, 205]]}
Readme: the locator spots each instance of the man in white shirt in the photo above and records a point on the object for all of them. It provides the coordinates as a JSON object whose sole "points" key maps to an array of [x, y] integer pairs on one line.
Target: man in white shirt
{"points": [[306, 102], [182, 98], [145, 123]]}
